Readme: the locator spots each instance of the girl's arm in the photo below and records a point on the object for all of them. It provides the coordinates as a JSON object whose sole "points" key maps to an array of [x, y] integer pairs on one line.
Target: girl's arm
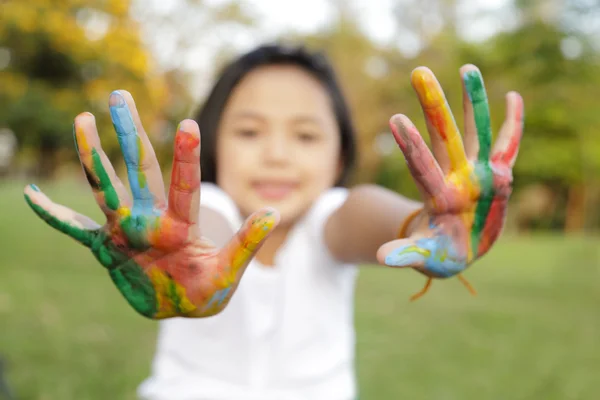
{"points": [[370, 216], [465, 184]]}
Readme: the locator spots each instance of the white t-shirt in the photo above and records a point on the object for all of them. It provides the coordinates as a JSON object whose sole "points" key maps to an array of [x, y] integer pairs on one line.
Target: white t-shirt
{"points": [[287, 333]]}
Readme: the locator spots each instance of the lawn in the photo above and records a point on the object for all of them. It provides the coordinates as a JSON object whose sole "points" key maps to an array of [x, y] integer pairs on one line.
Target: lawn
{"points": [[531, 333]]}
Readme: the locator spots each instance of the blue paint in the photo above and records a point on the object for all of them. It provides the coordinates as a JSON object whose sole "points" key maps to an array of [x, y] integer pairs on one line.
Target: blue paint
{"points": [[437, 255], [218, 297], [34, 187], [143, 200], [404, 256]]}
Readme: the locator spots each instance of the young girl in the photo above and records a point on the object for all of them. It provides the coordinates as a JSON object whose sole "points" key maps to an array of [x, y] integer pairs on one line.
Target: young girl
{"points": [[277, 138]]}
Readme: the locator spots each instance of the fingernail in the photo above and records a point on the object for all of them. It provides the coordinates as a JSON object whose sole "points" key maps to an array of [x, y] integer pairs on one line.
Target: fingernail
{"points": [[116, 99], [34, 187]]}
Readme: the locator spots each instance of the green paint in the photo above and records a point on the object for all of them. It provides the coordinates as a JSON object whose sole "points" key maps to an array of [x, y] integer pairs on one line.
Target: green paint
{"points": [[83, 236], [110, 194], [174, 296], [481, 112], [106, 252], [135, 228], [485, 177], [127, 275], [142, 181], [136, 287]]}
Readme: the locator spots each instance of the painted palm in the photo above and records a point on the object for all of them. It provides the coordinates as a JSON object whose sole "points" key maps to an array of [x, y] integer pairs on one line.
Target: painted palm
{"points": [[151, 245], [465, 186]]}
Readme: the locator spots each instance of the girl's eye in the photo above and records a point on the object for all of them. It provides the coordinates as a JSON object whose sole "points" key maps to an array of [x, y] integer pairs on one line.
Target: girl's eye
{"points": [[247, 133], [307, 137]]}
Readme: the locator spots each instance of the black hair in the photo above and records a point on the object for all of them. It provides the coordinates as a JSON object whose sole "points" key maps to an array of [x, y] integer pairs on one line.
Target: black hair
{"points": [[316, 64]]}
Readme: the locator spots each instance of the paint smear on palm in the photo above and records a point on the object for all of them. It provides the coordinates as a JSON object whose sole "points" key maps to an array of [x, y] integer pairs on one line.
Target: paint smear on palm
{"points": [[171, 297]]}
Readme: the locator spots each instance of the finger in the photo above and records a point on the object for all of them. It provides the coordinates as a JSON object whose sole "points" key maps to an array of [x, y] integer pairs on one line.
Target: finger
{"points": [[63, 219], [506, 147], [435, 256], [184, 192], [246, 243], [423, 166], [494, 223], [108, 189], [473, 82], [143, 171], [445, 139], [402, 253]]}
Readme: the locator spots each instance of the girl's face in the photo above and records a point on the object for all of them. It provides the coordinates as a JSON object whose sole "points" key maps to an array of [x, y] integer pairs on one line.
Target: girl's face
{"points": [[278, 142]]}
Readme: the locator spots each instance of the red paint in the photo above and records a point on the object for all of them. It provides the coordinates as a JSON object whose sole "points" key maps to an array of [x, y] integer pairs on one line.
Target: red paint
{"points": [[185, 176], [438, 120], [185, 143], [515, 139], [507, 156], [493, 225]]}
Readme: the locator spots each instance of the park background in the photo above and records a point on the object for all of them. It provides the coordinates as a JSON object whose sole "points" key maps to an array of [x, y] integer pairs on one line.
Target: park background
{"points": [[533, 330]]}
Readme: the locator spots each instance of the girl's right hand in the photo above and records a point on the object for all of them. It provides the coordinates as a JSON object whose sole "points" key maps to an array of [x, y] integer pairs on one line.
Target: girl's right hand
{"points": [[153, 249]]}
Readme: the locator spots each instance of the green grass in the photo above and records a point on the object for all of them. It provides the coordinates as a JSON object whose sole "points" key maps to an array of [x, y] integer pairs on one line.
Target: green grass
{"points": [[531, 333]]}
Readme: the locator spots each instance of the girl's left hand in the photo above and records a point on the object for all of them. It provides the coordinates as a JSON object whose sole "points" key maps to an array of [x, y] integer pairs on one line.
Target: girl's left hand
{"points": [[465, 188]]}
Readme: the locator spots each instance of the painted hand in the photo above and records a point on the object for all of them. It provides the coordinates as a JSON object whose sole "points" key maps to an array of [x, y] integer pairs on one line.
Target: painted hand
{"points": [[152, 248], [465, 187]]}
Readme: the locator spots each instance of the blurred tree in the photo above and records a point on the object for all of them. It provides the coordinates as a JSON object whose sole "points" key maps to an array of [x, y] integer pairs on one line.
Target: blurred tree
{"points": [[65, 57]]}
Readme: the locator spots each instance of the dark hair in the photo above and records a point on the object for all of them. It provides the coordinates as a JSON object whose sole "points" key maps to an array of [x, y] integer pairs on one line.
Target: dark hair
{"points": [[209, 116]]}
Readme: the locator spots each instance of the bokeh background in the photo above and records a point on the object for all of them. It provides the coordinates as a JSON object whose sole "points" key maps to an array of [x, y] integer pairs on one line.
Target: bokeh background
{"points": [[533, 330]]}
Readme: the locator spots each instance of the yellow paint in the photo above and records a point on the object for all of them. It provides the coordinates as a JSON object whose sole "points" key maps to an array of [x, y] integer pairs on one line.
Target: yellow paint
{"points": [[433, 100], [162, 284], [82, 141], [124, 212], [241, 256]]}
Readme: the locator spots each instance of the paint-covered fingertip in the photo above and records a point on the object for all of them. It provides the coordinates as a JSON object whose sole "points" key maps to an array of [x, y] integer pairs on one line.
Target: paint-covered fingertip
{"points": [[427, 87], [258, 227], [468, 67], [421, 71], [269, 218], [33, 187], [189, 126], [117, 98], [405, 256]]}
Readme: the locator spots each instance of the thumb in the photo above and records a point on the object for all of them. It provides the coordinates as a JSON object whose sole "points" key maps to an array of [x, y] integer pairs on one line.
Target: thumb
{"points": [[247, 241], [403, 253], [63, 219]]}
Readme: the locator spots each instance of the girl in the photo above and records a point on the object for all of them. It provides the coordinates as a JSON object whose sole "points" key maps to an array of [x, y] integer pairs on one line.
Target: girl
{"points": [[277, 138]]}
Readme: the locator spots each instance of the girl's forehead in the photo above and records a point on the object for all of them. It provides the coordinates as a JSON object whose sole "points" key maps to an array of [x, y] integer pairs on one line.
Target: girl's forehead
{"points": [[279, 90]]}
